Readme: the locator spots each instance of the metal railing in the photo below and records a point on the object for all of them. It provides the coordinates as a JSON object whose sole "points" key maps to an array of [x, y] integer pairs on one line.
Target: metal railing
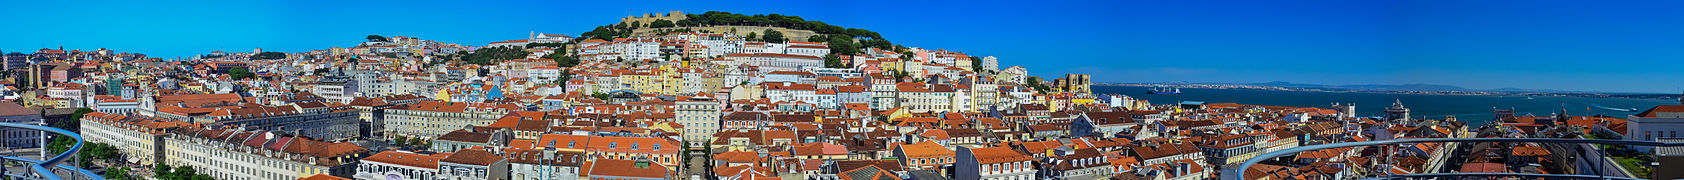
{"points": [[38, 169], [1240, 172]]}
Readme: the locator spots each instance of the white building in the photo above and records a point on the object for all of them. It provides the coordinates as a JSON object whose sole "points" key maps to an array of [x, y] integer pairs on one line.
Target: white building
{"points": [[431, 119], [1663, 121], [544, 74], [118, 106], [239, 154], [18, 137], [700, 117], [769, 62], [790, 92], [807, 49], [137, 137], [395, 164]]}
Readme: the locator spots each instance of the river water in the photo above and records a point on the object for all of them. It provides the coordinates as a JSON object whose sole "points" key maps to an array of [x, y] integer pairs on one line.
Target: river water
{"points": [[1472, 109]]}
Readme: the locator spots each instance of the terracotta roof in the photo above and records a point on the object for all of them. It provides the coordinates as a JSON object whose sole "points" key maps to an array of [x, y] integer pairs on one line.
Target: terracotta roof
{"points": [[323, 177], [870, 172], [626, 168], [1652, 112], [13, 109], [926, 149], [472, 156], [460, 135], [405, 159], [994, 155]]}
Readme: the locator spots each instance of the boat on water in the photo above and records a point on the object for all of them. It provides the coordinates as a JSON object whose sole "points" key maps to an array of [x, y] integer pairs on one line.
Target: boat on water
{"points": [[1165, 91]]}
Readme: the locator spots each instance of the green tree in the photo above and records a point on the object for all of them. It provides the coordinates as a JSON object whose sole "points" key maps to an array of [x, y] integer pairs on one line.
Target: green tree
{"points": [[600, 96], [562, 60], [976, 64], [876, 43], [493, 55], [773, 36], [59, 144], [660, 23], [534, 45], [843, 45], [239, 73], [161, 171], [400, 140], [635, 25], [73, 123], [831, 61], [376, 38], [752, 37], [418, 142], [817, 38], [1035, 83], [121, 173], [269, 55]]}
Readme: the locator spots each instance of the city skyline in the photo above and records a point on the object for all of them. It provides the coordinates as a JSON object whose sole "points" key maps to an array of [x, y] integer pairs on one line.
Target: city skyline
{"points": [[1565, 45]]}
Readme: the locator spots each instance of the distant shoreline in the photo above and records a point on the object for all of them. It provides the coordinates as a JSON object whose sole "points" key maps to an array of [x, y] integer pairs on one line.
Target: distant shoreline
{"points": [[1644, 96]]}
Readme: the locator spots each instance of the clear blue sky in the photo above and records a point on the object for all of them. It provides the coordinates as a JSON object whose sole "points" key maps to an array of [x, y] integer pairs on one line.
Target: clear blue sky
{"points": [[1619, 46]]}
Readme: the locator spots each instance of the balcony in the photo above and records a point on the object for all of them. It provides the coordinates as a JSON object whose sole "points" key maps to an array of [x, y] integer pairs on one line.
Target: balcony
{"points": [[49, 169], [1595, 167]]}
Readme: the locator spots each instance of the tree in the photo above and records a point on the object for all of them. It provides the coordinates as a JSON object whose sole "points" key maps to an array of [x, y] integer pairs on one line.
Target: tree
{"points": [[493, 55], [418, 142], [239, 73], [59, 144], [376, 38], [1035, 83], [533, 45], [400, 140], [159, 168], [660, 23], [74, 122], [900, 75], [976, 64], [843, 45], [817, 38], [635, 24], [876, 43], [562, 60], [752, 37], [772, 36], [269, 55], [600, 96], [121, 173], [831, 61]]}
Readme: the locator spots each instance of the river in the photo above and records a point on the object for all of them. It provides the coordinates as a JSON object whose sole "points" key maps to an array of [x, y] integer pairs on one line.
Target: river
{"points": [[1472, 109]]}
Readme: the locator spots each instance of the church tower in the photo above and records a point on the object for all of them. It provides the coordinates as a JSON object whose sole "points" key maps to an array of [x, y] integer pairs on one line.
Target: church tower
{"points": [[148, 105]]}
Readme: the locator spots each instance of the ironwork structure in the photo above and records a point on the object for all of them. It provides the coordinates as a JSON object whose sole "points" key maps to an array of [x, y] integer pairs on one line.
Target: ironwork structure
{"points": [[1239, 173], [39, 169]]}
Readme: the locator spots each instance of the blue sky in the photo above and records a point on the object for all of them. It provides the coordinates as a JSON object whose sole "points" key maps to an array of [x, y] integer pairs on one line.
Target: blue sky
{"points": [[1617, 46]]}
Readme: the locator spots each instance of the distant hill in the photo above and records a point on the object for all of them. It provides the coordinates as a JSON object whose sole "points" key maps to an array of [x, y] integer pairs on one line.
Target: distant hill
{"points": [[758, 27]]}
